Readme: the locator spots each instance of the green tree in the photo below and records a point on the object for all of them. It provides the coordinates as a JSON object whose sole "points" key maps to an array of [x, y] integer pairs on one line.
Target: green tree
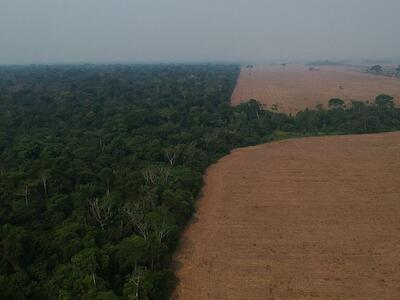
{"points": [[336, 103], [376, 68], [384, 101]]}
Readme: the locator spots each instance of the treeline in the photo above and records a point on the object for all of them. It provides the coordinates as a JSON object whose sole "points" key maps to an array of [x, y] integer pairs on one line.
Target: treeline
{"points": [[100, 167]]}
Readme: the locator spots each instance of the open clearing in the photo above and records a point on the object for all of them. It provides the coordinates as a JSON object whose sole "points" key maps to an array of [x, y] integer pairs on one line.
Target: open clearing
{"points": [[295, 88], [298, 219]]}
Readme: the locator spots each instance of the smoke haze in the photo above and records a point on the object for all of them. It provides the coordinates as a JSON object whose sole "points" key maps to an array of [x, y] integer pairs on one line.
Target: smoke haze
{"points": [[75, 31]]}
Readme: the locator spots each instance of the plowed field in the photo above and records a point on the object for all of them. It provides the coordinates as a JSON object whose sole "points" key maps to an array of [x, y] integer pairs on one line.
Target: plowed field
{"points": [[310, 218], [295, 88]]}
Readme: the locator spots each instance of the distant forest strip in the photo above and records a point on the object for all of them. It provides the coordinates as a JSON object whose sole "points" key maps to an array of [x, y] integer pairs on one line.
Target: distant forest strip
{"points": [[100, 168]]}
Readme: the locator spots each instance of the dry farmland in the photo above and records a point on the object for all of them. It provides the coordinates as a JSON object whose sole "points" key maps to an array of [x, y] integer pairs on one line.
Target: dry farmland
{"points": [[298, 219], [294, 87]]}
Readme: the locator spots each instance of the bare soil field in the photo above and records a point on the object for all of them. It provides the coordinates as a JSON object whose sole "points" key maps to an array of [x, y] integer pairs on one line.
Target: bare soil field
{"points": [[310, 218], [295, 88]]}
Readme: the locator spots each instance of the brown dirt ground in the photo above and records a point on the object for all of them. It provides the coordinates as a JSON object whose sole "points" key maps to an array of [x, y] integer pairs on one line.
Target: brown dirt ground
{"points": [[311, 218], [295, 88]]}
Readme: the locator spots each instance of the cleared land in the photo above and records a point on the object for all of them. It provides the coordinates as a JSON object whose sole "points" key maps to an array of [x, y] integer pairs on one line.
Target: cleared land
{"points": [[295, 88], [298, 219]]}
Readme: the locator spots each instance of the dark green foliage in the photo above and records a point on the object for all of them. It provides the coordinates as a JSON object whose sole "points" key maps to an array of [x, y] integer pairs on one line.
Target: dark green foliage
{"points": [[100, 167], [376, 69], [384, 101], [336, 103]]}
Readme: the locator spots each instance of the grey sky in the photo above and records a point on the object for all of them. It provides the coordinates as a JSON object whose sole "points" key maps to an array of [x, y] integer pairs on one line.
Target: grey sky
{"points": [[42, 31]]}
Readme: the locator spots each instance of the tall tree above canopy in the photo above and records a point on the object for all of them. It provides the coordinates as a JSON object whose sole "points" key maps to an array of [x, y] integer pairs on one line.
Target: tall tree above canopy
{"points": [[336, 103], [384, 101]]}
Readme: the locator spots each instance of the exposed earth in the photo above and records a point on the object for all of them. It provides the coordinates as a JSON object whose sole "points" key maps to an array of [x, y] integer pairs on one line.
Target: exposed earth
{"points": [[295, 87], [309, 218]]}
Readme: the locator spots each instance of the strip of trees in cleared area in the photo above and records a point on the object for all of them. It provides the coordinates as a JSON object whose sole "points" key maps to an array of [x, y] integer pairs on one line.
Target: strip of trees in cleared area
{"points": [[100, 167], [390, 71]]}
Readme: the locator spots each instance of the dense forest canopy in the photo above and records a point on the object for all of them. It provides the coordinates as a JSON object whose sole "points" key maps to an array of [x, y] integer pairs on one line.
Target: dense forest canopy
{"points": [[100, 167]]}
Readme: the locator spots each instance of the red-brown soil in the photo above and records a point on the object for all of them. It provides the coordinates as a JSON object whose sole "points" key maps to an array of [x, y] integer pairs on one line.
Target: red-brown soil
{"points": [[310, 218], [295, 88]]}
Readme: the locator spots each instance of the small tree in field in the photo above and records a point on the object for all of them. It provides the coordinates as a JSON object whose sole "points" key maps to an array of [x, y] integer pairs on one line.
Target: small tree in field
{"points": [[398, 70], [376, 69]]}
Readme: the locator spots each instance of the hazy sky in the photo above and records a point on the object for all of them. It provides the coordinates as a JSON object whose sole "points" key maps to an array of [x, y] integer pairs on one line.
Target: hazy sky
{"points": [[54, 31]]}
